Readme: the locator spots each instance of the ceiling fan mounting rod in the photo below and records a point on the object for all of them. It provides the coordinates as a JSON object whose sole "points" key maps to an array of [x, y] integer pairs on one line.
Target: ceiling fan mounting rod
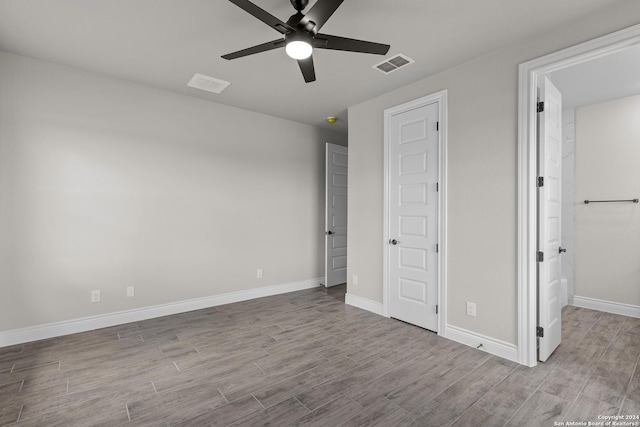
{"points": [[299, 4]]}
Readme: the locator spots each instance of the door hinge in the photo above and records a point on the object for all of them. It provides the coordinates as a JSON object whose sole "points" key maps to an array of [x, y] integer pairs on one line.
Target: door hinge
{"points": [[540, 331], [436, 308], [540, 181], [437, 248], [540, 256], [437, 125], [437, 187], [540, 107]]}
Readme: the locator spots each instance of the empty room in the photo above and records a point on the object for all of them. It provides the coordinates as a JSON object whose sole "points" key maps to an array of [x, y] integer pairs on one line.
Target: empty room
{"points": [[319, 213]]}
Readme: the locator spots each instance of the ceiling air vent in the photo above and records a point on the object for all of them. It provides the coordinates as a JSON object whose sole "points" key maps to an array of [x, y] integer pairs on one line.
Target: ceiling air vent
{"points": [[392, 64], [210, 84]]}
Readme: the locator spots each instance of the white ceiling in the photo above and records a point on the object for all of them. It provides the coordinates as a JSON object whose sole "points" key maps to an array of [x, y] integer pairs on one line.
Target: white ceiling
{"points": [[610, 77], [162, 43]]}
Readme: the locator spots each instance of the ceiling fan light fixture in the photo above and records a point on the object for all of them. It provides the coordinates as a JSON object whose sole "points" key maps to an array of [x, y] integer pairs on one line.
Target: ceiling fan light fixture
{"points": [[299, 49]]}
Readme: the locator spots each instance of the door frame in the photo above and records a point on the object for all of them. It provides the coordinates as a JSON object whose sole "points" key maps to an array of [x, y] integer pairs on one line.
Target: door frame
{"points": [[441, 99], [529, 74]]}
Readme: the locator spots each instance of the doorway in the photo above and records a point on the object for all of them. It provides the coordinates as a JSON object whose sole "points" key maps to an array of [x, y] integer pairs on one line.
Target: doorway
{"points": [[531, 74], [600, 158], [336, 190], [414, 259]]}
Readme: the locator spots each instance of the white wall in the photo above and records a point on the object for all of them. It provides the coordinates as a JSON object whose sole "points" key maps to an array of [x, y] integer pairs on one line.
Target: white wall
{"points": [[482, 176], [608, 234], [568, 202], [106, 184]]}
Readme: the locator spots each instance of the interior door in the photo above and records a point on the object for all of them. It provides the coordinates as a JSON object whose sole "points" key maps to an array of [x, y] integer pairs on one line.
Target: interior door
{"points": [[336, 215], [549, 219], [413, 216]]}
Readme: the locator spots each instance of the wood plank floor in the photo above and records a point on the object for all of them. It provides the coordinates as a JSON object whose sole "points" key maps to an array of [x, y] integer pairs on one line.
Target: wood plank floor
{"points": [[307, 359]]}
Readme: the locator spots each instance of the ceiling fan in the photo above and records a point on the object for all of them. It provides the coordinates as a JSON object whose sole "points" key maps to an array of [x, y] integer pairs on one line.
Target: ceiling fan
{"points": [[301, 34]]}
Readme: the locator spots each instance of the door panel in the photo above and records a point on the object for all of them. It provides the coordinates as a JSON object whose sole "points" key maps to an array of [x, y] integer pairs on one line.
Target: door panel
{"points": [[549, 219], [413, 258], [413, 216], [336, 215]]}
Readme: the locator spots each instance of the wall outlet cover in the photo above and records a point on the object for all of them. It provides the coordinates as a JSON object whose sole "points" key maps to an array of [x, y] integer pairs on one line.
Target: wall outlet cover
{"points": [[95, 296], [471, 309]]}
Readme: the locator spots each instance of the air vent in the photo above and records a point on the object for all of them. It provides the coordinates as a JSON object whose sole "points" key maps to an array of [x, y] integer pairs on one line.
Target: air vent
{"points": [[210, 84], [394, 63]]}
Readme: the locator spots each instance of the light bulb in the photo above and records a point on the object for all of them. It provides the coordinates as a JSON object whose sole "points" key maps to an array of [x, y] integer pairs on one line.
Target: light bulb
{"points": [[299, 49]]}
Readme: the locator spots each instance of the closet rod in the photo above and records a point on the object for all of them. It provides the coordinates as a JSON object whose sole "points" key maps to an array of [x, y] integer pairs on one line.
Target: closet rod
{"points": [[586, 202]]}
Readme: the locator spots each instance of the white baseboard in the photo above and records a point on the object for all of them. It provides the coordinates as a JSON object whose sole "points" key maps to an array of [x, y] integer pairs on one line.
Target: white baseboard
{"points": [[364, 303], [50, 330], [490, 345], [608, 306]]}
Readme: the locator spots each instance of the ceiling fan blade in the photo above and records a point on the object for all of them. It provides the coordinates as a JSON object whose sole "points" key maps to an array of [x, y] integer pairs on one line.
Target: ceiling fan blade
{"points": [[326, 41], [274, 44], [308, 71], [264, 16], [320, 13]]}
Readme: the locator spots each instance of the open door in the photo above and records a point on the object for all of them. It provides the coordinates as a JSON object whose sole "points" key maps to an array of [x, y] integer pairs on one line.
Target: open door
{"points": [[336, 215], [549, 218]]}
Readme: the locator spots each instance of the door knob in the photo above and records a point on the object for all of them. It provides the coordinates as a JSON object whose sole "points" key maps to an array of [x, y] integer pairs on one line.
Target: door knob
{"points": [[561, 249], [329, 233], [394, 241]]}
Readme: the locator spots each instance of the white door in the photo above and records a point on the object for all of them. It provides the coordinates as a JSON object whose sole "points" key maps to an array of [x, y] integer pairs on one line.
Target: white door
{"points": [[336, 215], [549, 219], [413, 216]]}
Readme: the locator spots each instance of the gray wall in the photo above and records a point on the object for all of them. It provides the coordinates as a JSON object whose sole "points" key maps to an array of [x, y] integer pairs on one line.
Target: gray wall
{"points": [[106, 184], [482, 176], [606, 235]]}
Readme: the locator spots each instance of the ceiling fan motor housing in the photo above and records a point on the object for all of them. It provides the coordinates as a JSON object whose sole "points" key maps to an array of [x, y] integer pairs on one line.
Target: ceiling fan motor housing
{"points": [[299, 36]]}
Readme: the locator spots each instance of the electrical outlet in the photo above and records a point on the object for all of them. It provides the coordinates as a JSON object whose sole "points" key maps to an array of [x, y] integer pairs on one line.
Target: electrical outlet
{"points": [[354, 280], [130, 291], [471, 309], [95, 296], [259, 274]]}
